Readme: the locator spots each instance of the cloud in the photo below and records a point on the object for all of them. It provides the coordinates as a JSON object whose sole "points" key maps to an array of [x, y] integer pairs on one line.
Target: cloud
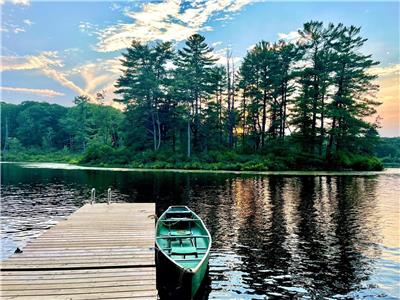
{"points": [[221, 56], [171, 20], [46, 62], [251, 47], [216, 44], [15, 28], [99, 76], [292, 36], [28, 22], [17, 2], [18, 30], [391, 70], [64, 81], [389, 95], [43, 60], [42, 92]]}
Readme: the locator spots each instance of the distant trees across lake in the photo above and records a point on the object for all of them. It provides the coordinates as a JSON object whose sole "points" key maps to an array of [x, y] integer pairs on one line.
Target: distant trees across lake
{"points": [[301, 105]]}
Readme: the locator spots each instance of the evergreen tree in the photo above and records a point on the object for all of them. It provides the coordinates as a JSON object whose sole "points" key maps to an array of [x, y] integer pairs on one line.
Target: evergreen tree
{"points": [[315, 45], [143, 85], [195, 64], [353, 99]]}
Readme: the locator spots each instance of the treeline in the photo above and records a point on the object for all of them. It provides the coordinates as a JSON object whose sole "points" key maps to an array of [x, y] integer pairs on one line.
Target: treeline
{"points": [[287, 105], [388, 151], [47, 127]]}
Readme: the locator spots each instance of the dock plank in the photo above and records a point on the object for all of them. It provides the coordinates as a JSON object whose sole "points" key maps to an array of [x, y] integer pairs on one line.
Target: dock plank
{"points": [[102, 251]]}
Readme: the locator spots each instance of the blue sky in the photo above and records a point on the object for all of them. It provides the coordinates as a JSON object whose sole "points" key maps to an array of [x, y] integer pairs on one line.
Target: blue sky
{"points": [[53, 51]]}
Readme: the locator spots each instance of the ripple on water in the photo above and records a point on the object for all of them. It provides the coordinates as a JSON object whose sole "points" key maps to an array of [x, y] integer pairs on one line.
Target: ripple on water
{"points": [[275, 237]]}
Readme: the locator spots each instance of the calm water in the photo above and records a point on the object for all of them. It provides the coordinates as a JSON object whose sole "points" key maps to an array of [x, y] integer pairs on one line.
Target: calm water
{"points": [[275, 237]]}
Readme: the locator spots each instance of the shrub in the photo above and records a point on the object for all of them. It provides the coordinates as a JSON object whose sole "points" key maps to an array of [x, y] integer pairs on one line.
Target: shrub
{"points": [[254, 165], [366, 163], [97, 153]]}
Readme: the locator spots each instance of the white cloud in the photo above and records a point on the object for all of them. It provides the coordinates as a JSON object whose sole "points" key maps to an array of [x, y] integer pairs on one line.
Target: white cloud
{"points": [[28, 22], [216, 44], [99, 75], [64, 81], [292, 36], [170, 20], [115, 6], [15, 28], [221, 56], [21, 2], [251, 47], [42, 92], [30, 62], [18, 30], [16, 2], [46, 62], [390, 70], [96, 75]]}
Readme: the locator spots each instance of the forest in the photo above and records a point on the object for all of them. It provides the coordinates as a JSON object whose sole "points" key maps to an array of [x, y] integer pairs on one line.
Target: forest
{"points": [[287, 106]]}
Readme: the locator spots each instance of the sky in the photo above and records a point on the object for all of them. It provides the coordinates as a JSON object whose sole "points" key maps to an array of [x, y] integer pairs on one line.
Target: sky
{"points": [[55, 50]]}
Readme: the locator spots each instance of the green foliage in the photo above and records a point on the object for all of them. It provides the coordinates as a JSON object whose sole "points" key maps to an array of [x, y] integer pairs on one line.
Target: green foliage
{"points": [[349, 161], [33, 124], [388, 151], [287, 106], [40, 155], [97, 153]]}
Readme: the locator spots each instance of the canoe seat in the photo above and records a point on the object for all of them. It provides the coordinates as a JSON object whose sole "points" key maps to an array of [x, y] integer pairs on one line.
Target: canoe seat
{"points": [[183, 247], [181, 232]]}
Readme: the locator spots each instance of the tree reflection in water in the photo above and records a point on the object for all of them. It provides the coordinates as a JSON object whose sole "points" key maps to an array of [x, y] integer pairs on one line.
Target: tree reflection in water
{"points": [[280, 236]]}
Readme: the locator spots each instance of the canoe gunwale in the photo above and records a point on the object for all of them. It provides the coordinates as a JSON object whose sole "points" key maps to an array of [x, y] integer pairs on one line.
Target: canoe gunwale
{"points": [[206, 254]]}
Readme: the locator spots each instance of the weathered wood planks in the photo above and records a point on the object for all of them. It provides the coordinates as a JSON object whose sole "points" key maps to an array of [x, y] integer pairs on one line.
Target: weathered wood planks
{"points": [[100, 252]]}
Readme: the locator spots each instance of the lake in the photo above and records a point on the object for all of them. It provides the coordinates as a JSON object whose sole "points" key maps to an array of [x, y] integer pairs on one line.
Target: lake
{"points": [[280, 235]]}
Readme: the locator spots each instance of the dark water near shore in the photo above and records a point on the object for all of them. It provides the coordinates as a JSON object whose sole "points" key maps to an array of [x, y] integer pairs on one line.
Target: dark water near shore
{"points": [[276, 236]]}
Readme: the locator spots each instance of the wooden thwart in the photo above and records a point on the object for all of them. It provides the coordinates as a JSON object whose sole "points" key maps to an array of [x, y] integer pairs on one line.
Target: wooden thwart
{"points": [[102, 251]]}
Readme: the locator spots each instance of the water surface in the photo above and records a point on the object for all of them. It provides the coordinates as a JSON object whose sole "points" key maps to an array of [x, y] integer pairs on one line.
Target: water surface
{"points": [[275, 235]]}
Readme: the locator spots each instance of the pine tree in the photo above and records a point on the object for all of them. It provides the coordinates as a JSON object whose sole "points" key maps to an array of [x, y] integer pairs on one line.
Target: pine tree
{"points": [[353, 99], [143, 84], [315, 43], [195, 64]]}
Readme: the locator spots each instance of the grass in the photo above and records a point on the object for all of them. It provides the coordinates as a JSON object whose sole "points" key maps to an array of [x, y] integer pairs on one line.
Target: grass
{"points": [[106, 156], [35, 155]]}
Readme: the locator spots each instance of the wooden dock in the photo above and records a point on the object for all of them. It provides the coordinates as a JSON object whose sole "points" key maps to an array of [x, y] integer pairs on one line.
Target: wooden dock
{"points": [[102, 251]]}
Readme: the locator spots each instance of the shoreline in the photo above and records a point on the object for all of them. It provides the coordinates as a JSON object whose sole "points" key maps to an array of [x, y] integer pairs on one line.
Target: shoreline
{"points": [[68, 166]]}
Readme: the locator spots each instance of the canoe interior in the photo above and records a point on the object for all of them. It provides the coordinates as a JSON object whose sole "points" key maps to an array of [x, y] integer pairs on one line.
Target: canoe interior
{"points": [[182, 236]]}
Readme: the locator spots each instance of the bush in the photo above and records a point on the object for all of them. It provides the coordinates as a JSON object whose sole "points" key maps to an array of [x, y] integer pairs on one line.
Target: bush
{"points": [[365, 163], [97, 153], [254, 165], [357, 162]]}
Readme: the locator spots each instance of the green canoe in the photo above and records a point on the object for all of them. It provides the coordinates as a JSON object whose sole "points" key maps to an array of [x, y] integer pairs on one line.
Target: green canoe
{"points": [[183, 246]]}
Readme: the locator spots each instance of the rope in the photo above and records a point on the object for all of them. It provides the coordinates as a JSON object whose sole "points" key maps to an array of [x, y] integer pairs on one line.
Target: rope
{"points": [[153, 216]]}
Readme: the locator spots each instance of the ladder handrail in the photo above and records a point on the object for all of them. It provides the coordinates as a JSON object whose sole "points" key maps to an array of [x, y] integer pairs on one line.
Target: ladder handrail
{"points": [[109, 196], [93, 196]]}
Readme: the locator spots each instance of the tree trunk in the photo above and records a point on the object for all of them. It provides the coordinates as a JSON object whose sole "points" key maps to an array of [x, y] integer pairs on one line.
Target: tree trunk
{"points": [[159, 133], [188, 139], [219, 100], [229, 88], [244, 118], [154, 132], [264, 118], [284, 113], [314, 114], [6, 137], [322, 130]]}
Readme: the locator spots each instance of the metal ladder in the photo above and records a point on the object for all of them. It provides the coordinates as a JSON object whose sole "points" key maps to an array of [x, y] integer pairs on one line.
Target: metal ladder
{"points": [[93, 196]]}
